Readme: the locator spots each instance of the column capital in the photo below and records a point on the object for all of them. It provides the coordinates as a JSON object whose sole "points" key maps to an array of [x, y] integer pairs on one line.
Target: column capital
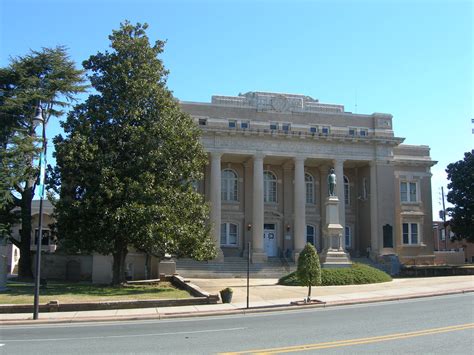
{"points": [[299, 158], [258, 156], [338, 161], [216, 155]]}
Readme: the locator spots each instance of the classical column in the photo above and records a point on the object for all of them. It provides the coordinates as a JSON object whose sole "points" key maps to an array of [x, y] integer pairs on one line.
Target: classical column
{"points": [[339, 170], [299, 206], [373, 207], [216, 202], [258, 253]]}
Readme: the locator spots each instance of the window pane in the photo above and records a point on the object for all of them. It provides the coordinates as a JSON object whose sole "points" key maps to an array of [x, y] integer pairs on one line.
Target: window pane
{"points": [[309, 189], [403, 192], [405, 233], [223, 234], [269, 187], [310, 234], [232, 234], [348, 242], [412, 191], [414, 233]]}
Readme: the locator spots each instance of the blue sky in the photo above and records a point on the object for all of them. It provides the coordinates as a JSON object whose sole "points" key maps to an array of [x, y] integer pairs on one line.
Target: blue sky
{"points": [[413, 59]]}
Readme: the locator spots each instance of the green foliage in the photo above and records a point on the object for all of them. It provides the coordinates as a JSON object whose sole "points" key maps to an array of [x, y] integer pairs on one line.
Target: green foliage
{"points": [[461, 195], [309, 268], [129, 159], [47, 76], [356, 274]]}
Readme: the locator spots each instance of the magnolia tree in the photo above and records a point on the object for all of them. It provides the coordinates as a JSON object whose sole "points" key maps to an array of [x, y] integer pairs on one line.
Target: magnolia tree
{"points": [[309, 268], [128, 161]]}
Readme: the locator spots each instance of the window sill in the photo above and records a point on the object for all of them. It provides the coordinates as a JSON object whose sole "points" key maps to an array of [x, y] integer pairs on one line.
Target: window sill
{"points": [[232, 246], [413, 245]]}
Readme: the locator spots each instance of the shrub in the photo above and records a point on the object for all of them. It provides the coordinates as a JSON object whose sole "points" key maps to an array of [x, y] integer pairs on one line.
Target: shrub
{"points": [[309, 268], [357, 274]]}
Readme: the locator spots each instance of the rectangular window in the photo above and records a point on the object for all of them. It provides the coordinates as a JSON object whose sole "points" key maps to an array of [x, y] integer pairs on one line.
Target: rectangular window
{"points": [[313, 129], [228, 234], [286, 127], [244, 124], [232, 124], [443, 234], [348, 237], [325, 130], [274, 126], [363, 133], [310, 235], [202, 122], [410, 233], [352, 131], [44, 238], [408, 191]]}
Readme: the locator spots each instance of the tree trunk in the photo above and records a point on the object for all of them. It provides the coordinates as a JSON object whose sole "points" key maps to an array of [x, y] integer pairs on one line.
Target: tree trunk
{"points": [[309, 292], [119, 263], [24, 264]]}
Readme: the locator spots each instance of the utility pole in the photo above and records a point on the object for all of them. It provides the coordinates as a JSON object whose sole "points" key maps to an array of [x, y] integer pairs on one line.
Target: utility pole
{"points": [[444, 221]]}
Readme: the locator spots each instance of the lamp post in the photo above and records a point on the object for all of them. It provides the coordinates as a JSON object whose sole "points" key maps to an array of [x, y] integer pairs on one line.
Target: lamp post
{"points": [[39, 119]]}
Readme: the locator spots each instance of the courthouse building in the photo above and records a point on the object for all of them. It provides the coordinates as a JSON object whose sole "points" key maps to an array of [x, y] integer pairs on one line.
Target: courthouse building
{"points": [[266, 182]]}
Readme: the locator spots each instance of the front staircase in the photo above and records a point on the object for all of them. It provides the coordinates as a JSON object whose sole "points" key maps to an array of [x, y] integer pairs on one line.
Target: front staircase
{"points": [[233, 267]]}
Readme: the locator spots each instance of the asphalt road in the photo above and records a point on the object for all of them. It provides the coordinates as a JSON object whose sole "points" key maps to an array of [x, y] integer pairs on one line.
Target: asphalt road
{"points": [[435, 325]]}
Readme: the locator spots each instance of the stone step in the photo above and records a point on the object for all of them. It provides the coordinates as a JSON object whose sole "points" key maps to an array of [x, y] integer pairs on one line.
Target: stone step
{"points": [[232, 267]]}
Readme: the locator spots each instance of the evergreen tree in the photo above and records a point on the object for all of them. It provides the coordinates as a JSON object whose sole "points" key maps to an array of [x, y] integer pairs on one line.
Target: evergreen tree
{"points": [[48, 77], [309, 268], [461, 195], [129, 160]]}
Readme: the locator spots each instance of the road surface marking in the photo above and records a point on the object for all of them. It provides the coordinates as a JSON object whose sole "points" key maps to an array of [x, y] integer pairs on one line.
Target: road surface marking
{"points": [[123, 336], [339, 343]]}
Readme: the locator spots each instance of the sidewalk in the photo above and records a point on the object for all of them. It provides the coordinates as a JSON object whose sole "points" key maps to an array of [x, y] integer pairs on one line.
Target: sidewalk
{"points": [[265, 295]]}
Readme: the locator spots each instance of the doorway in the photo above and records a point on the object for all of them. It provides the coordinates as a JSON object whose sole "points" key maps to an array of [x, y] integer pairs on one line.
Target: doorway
{"points": [[269, 239]]}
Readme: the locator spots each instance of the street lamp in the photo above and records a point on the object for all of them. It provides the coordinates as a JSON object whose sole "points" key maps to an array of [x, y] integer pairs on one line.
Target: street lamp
{"points": [[39, 119]]}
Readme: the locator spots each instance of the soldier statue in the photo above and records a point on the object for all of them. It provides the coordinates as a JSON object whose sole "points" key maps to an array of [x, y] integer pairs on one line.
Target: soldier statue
{"points": [[332, 182]]}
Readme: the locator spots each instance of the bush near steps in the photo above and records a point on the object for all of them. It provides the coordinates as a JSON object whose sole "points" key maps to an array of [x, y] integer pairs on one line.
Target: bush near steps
{"points": [[356, 274]]}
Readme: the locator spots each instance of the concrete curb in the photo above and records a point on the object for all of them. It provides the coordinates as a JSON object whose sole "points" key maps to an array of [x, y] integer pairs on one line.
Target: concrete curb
{"points": [[242, 311]]}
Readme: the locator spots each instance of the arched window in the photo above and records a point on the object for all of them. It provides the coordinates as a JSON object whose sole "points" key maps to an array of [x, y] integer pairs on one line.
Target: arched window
{"points": [[229, 185], [309, 183], [269, 187], [347, 191], [311, 234], [229, 234]]}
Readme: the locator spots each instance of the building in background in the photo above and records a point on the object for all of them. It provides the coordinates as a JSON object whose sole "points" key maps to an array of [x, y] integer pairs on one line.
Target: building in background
{"points": [[269, 157], [448, 250]]}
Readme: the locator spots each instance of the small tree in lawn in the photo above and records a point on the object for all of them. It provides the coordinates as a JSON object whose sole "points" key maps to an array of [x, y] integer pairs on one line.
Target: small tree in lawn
{"points": [[309, 268]]}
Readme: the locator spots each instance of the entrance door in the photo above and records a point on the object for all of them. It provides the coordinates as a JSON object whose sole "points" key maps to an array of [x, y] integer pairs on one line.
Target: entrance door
{"points": [[270, 240]]}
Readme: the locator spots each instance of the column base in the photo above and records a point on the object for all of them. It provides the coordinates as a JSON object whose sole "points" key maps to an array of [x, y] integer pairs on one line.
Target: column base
{"points": [[333, 258], [220, 256], [259, 257], [296, 255]]}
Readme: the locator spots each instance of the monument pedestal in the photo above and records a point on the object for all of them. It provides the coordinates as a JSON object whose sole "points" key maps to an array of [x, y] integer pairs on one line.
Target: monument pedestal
{"points": [[333, 254]]}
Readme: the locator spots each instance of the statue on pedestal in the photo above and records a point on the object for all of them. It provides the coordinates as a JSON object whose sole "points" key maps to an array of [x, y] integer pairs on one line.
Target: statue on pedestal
{"points": [[332, 182]]}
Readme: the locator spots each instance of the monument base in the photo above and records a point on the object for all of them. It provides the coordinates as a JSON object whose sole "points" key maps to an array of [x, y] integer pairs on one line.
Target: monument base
{"points": [[332, 258]]}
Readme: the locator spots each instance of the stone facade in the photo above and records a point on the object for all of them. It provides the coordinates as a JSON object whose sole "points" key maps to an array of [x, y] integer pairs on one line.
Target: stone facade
{"points": [[269, 158]]}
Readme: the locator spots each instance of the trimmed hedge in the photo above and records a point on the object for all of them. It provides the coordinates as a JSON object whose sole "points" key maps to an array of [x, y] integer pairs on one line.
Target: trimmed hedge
{"points": [[356, 274]]}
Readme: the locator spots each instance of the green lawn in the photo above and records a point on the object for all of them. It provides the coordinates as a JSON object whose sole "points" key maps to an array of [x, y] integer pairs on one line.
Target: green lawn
{"points": [[22, 293]]}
